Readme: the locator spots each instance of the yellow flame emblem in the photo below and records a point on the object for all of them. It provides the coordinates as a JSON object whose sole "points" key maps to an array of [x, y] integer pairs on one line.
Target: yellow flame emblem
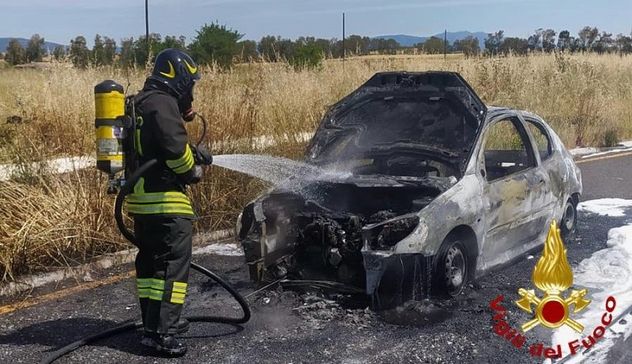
{"points": [[171, 73], [553, 275], [191, 69]]}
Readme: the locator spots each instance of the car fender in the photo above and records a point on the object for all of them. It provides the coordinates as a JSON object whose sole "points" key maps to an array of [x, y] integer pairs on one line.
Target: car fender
{"points": [[462, 204]]}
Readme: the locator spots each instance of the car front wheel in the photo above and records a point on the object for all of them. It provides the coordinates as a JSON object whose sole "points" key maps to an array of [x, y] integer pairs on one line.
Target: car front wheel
{"points": [[451, 269], [569, 219]]}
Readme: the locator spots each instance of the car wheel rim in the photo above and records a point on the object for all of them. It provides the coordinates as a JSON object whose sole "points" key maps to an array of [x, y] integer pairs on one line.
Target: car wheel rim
{"points": [[569, 217], [454, 270]]}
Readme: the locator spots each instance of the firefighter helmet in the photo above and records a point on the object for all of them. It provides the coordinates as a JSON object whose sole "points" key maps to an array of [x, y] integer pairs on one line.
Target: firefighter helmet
{"points": [[177, 70]]}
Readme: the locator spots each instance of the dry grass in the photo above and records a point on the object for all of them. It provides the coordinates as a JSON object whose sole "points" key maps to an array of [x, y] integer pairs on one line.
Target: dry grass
{"points": [[48, 221]]}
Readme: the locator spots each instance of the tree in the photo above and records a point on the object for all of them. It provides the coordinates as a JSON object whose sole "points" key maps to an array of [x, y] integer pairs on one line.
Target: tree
{"points": [[247, 51], [79, 52], [493, 42], [535, 40], [604, 44], [267, 48], [564, 40], [215, 43], [98, 52], [515, 46], [35, 51], [358, 45], [588, 36], [141, 53], [468, 45], [433, 45], [126, 58], [59, 53], [171, 42], [385, 46], [109, 51], [15, 53], [548, 40], [624, 44]]}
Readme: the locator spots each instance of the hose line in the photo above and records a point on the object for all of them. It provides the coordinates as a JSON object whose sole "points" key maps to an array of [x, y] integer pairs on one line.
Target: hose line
{"points": [[126, 189]]}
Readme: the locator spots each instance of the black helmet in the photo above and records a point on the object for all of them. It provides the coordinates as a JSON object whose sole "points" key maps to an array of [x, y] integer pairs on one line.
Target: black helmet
{"points": [[177, 70]]}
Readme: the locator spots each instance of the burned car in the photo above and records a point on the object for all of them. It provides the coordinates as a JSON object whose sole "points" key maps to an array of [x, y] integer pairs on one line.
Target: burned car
{"points": [[426, 189]]}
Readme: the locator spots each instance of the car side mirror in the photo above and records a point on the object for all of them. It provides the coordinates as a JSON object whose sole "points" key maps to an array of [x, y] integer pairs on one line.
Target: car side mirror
{"points": [[483, 173]]}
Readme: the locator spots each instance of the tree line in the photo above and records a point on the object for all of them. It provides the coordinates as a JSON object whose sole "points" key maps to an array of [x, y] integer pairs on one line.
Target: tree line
{"points": [[223, 46]]}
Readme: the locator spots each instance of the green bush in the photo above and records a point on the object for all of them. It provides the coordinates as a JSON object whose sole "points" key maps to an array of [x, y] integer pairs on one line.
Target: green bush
{"points": [[307, 56], [611, 138]]}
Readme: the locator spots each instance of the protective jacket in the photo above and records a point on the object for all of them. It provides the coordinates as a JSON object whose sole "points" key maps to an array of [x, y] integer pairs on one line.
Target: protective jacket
{"points": [[160, 133]]}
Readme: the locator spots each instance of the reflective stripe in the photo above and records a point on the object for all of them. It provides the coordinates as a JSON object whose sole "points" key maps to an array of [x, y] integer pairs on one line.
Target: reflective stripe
{"points": [[160, 208], [177, 298], [137, 144], [159, 197], [178, 292], [157, 289], [144, 287], [180, 287], [153, 203], [184, 163]]}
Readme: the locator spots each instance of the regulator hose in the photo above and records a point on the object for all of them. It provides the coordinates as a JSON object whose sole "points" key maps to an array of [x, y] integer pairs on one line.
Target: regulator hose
{"points": [[126, 189]]}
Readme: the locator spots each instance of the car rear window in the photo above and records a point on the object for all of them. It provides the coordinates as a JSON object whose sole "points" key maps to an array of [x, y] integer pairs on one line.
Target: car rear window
{"points": [[542, 139]]}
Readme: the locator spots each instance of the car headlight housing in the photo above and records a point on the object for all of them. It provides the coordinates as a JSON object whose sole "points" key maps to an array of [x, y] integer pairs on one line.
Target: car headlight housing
{"points": [[385, 235]]}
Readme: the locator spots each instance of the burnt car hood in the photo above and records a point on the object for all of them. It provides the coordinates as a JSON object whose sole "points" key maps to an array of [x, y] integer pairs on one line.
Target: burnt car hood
{"points": [[433, 112]]}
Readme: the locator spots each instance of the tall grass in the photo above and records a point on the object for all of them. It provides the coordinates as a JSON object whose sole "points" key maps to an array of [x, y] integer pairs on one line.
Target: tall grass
{"points": [[49, 221]]}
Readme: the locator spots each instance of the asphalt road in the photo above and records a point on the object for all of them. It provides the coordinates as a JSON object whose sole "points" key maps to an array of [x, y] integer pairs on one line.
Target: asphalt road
{"points": [[300, 328], [607, 177]]}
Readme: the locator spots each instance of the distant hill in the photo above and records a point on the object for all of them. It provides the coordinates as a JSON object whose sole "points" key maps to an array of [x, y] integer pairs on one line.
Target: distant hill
{"points": [[403, 39], [410, 40], [4, 42]]}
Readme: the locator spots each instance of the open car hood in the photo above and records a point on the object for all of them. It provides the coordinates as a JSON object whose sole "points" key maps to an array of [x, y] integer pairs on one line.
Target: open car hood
{"points": [[435, 112]]}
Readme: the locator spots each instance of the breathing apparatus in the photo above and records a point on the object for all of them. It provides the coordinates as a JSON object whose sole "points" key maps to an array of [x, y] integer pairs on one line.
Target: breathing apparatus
{"points": [[113, 131]]}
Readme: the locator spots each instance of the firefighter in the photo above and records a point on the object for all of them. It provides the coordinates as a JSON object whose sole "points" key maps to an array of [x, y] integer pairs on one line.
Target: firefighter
{"points": [[162, 212]]}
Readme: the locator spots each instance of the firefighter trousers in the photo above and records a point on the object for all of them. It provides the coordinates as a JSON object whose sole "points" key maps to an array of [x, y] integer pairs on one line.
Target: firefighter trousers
{"points": [[162, 269]]}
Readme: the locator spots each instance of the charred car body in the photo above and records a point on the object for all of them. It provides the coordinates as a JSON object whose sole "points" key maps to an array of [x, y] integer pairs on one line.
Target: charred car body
{"points": [[430, 189]]}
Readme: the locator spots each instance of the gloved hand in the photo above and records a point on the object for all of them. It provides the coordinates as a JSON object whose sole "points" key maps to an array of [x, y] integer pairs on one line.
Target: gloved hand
{"points": [[188, 115], [196, 176], [202, 156], [193, 176]]}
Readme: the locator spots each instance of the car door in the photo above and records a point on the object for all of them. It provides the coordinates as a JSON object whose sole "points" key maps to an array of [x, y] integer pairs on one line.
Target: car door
{"points": [[508, 167], [544, 193]]}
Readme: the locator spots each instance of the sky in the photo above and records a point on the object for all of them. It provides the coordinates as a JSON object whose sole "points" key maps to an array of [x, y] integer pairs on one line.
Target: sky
{"points": [[61, 20]]}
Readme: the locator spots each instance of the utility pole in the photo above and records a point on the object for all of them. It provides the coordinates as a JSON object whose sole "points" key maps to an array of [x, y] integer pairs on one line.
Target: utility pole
{"points": [[445, 45], [344, 49], [147, 29]]}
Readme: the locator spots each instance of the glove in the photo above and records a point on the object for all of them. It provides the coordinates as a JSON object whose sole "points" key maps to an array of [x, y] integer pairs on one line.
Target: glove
{"points": [[202, 156], [188, 115]]}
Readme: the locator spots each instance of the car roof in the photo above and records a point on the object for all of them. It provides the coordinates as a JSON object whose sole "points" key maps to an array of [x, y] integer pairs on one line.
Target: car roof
{"points": [[495, 111]]}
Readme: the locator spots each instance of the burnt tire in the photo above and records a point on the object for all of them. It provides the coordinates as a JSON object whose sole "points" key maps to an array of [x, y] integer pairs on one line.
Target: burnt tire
{"points": [[568, 222], [451, 269]]}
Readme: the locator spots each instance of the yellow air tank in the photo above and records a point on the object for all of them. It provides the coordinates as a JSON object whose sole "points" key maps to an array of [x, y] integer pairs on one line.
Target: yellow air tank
{"points": [[109, 102]]}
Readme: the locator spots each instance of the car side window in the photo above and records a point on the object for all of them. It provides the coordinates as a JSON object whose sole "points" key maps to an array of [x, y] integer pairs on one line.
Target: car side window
{"points": [[542, 139], [505, 150]]}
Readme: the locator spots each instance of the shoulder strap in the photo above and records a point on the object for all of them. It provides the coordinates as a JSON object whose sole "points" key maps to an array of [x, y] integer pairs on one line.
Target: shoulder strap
{"points": [[140, 98]]}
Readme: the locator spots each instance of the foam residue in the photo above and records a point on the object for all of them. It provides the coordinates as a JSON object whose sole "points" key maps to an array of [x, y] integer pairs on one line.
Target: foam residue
{"points": [[607, 272], [614, 207]]}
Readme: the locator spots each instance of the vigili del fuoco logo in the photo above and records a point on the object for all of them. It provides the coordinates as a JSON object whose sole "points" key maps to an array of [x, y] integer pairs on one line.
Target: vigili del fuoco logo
{"points": [[552, 275], [554, 307]]}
